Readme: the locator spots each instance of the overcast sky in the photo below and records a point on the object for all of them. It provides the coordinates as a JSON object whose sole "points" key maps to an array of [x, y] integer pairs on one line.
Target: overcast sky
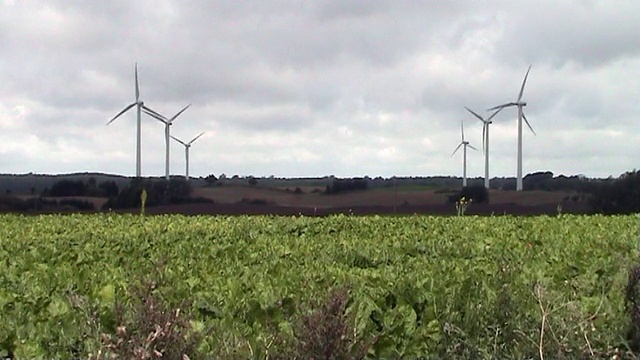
{"points": [[314, 88]]}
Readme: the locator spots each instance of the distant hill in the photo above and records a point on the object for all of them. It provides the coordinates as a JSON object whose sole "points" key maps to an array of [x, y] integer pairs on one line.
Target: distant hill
{"points": [[27, 183], [36, 183]]}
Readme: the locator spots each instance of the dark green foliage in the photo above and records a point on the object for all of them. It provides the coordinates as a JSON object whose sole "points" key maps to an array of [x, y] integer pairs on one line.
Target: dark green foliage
{"points": [[621, 196], [79, 188], [538, 181], [68, 188], [632, 300], [342, 185], [159, 192], [211, 180], [108, 188], [15, 204]]}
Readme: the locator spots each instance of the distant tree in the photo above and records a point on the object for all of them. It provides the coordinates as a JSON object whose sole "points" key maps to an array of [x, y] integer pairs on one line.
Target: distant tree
{"points": [[620, 196], [108, 189], [342, 185], [91, 183], [210, 180], [252, 181], [174, 191], [68, 188], [538, 181], [179, 188]]}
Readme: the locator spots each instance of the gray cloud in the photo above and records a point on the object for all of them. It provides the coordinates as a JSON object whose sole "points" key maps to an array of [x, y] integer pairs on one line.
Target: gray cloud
{"points": [[314, 88]]}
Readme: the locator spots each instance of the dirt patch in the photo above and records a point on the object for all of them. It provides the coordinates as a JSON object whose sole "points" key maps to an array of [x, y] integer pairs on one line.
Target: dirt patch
{"points": [[430, 209], [248, 200]]}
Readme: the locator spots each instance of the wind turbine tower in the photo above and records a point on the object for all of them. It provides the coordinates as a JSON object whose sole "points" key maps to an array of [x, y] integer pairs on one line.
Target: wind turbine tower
{"points": [[485, 141], [139, 105], [520, 104], [167, 124], [187, 146], [464, 145]]}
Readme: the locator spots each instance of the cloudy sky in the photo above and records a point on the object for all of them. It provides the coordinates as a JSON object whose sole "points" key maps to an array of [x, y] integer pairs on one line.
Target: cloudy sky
{"points": [[314, 88]]}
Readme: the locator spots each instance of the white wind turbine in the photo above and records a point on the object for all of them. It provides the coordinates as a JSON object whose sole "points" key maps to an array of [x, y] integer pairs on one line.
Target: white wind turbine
{"points": [[520, 104], [485, 141], [186, 150], [167, 124], [464, 145], [140, 105]]}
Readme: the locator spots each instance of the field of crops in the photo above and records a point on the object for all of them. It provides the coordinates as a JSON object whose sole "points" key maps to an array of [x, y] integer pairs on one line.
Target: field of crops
{"points": [[419, 286]]}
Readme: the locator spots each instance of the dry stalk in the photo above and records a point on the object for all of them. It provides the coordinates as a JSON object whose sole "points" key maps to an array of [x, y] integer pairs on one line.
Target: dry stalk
{"points": [[584, 333], [543, 311]]}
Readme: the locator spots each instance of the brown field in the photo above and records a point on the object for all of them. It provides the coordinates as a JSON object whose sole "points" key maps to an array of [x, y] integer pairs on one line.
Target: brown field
{"points": [[375, 197], [233, 200], [237, 200]]}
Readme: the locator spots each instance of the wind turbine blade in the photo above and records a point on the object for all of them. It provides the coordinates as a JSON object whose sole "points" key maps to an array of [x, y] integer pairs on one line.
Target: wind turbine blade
{"points": [[475, 114], [462, 130], [155, 115], [529, 125], [179, 112], [152, 112], [196, 138], [473, 147], [523, 82], [178, 140], [502, 106], [121, 112], [454, 151], [137, 86], [494, 114]]}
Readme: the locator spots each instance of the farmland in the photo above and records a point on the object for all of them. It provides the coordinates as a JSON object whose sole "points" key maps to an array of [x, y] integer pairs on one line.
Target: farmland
{"points": [[464, 287]]}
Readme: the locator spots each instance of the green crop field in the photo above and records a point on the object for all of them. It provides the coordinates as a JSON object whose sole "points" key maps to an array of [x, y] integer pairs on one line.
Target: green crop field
{"points": [[419, 286]]}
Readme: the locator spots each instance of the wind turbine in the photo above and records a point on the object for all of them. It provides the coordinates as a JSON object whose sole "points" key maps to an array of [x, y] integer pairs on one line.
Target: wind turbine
{"points": [[140, 105], [485, 141], [464, 145], [186, 150], [167, 124], [520, 104]]}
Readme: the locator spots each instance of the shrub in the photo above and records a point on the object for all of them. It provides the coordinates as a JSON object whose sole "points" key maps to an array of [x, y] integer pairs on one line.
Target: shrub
{"points": [[148, 328], [477, 194], [326, 332]]}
